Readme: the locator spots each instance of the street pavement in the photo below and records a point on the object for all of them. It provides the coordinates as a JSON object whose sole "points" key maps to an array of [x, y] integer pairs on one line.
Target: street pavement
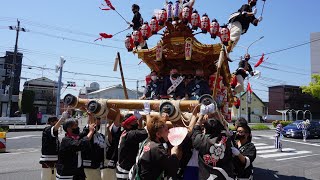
{"points": [[300, 160]]}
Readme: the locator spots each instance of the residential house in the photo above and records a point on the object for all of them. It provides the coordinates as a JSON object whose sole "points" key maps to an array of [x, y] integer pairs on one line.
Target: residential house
{"points": [[45, 95], [252, 111], [114, 92], [84, 91]]}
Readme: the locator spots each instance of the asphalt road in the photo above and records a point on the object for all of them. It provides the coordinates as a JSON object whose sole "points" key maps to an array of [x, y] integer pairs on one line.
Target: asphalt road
{"points": [[299, 160]]}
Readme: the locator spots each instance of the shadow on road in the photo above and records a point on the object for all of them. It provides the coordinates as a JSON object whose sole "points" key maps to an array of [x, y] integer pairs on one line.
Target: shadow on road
{"points": [[267, 174]]}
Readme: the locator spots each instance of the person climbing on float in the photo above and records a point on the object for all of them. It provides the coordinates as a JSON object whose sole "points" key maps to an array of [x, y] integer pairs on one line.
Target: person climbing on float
{"points": [[241, 73], [239, 21], [188, 3], [137, 19]]}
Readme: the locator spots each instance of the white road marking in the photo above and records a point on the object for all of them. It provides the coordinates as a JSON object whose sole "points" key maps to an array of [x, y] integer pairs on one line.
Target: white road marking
{"points": [[20, 151], [296, 157], [298, 142], [259, 144], [25, 136], [264, 147], [280, 154], [274, 150], [305, 143], [256, 137]]}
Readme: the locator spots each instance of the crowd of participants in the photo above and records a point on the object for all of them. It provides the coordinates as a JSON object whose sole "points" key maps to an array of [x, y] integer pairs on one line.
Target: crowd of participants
{"points": [[137, 147]]}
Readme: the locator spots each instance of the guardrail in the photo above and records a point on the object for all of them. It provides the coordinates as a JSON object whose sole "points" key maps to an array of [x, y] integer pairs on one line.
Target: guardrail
{"points": [[13, 120]]}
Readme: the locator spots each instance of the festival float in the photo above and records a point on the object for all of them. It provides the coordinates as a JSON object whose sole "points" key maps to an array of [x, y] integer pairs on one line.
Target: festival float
{"points": [[177, 25]]}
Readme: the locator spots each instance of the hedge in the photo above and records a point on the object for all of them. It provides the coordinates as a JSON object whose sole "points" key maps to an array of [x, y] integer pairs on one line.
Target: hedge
{"points": [[260, 127], [284, 123], [254, 127], [4, 128]]}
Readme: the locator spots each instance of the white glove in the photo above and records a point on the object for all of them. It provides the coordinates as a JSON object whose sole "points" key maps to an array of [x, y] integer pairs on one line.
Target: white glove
{"points": [[137, 114], [255, 11], [211, 108], [203, 109], [235, 151], [260, 19], [65, 115], [146, 108]]}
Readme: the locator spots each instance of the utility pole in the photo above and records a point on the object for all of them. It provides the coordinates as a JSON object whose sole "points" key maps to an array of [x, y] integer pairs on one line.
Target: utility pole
{"points": [[59, 68], [122, 77], [12, 75], [137, 89]]}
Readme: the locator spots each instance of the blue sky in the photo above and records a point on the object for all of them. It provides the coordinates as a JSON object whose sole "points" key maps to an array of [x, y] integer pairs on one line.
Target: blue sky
{"points": [[286, 23]]}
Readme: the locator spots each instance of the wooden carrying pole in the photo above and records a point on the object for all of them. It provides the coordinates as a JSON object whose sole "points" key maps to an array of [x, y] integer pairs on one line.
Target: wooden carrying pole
{"points": [[122, 77], [73, 101]]}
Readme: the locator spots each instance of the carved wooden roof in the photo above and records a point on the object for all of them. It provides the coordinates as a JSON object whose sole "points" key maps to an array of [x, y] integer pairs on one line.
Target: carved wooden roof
{"points": [[204, 56]]}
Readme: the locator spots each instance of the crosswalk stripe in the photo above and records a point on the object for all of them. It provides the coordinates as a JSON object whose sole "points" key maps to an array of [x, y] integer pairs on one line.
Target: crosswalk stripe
{"points": [[25, 136], [296, 157], [256, 137], [264, 147], [259, 144], [280, 154], [274, 150]]}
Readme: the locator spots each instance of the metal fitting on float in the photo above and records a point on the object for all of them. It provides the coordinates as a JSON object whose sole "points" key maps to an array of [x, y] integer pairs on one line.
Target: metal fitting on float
{"points": [[98, 107], [207, 99], [172, 109], [74, 102]]}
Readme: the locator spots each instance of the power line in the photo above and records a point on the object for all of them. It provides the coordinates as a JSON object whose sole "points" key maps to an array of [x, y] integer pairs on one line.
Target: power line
{"points": [[69, 78], [276, 69], [56, 28], [75, 59], [74, 40], [78, 73]]}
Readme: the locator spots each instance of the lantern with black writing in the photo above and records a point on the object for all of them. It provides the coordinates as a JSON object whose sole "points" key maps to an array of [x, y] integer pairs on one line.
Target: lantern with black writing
{"points": [[129, 43], [154, 26], [195, 20], [214, 28], [205, 23]]}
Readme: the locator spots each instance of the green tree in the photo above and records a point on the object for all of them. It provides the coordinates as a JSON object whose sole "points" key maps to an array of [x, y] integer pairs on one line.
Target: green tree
{"points": [[27, 101], [314, 87]]}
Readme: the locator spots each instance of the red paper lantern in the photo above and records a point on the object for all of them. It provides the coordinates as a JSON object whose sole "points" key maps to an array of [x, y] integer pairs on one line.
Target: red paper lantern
{"points": [[162, 17], [154, 26], [212, 79], [186, 15], [129, 43], [224, 35], [195, 20], [205, 23], [214, 29], [145, 31], [137, 37]]}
